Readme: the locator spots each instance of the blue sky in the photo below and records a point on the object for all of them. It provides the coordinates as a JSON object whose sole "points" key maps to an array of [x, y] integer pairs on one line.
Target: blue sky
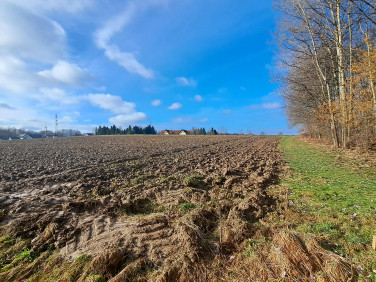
{"points": [[174, 64]]}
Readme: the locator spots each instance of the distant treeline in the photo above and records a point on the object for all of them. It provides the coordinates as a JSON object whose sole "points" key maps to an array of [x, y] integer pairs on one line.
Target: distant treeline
{"points": [[202, 131], [15, 133], [113, 130]]}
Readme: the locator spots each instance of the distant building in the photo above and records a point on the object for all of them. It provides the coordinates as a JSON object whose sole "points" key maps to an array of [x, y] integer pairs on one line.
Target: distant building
{"points": [[175, 132], [165, 132], [24, 136], [88, 134]]}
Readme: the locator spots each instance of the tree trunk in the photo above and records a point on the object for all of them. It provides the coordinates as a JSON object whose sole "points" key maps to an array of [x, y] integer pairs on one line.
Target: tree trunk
{"points": [[341, 71]]}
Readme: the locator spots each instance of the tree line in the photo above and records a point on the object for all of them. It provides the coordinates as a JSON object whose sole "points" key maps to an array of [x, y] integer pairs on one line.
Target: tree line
{"points": [[14, 133], [113, 130], [202, 131], [326, 66]]}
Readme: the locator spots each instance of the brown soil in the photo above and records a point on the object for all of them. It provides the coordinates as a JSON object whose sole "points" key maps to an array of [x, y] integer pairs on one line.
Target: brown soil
{"points": [[134, 202]]}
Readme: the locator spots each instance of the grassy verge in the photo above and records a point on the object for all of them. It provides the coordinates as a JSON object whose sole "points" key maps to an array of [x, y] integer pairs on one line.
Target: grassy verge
{"points": [[332, 200]]}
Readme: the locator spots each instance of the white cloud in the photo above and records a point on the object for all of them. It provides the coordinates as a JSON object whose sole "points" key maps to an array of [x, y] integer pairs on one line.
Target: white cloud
{"points": [[27, 35], [156, 103], [20, 79], [125, 59], [23, 80], [66, 74], [57, 95], [227, 112], [113, 103], [266, 106], [175, 106], [28, 41], [70, 6], [198, 98], [186, 81], [243, 88], [126, 111], [125, 120], [23, 116], [67, 120]]}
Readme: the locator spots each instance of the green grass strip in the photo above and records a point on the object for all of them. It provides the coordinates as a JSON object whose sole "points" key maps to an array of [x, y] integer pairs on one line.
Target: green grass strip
{"points": [[333, 200], [329, 187]]}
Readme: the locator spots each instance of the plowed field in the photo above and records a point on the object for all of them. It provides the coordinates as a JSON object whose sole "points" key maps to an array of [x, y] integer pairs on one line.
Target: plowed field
{"points": [[156, 201]]}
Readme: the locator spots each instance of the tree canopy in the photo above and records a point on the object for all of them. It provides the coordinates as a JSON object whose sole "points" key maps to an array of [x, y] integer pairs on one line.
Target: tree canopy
{"points": [[326, 68], [113, 130]]}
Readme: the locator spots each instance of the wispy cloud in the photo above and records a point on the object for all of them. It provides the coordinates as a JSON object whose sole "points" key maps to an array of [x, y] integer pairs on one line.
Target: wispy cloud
{"points": [[189, 120], [266, 106], [203, 120], [243, 88], [227, 112], [183, 81], [6, 106], [70, 6], [156, 103], [182, 119], [125, 59], [198, 98], [175, 106]]}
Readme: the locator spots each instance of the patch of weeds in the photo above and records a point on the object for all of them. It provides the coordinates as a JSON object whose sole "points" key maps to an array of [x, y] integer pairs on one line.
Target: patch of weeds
{"points": [[51, 248], [6, 241], [167, 179], [141, 206], [140, 179], [94, 278], [154, 272], [26, 255], [325, 228], [10, 250], [214, 236], [74, 270], [101, 192], [357, 239], [195, 181], [122, 210], [136, 166], [83, 259], [251, 251], [219, 180], [186, 207], [134, 181]]}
